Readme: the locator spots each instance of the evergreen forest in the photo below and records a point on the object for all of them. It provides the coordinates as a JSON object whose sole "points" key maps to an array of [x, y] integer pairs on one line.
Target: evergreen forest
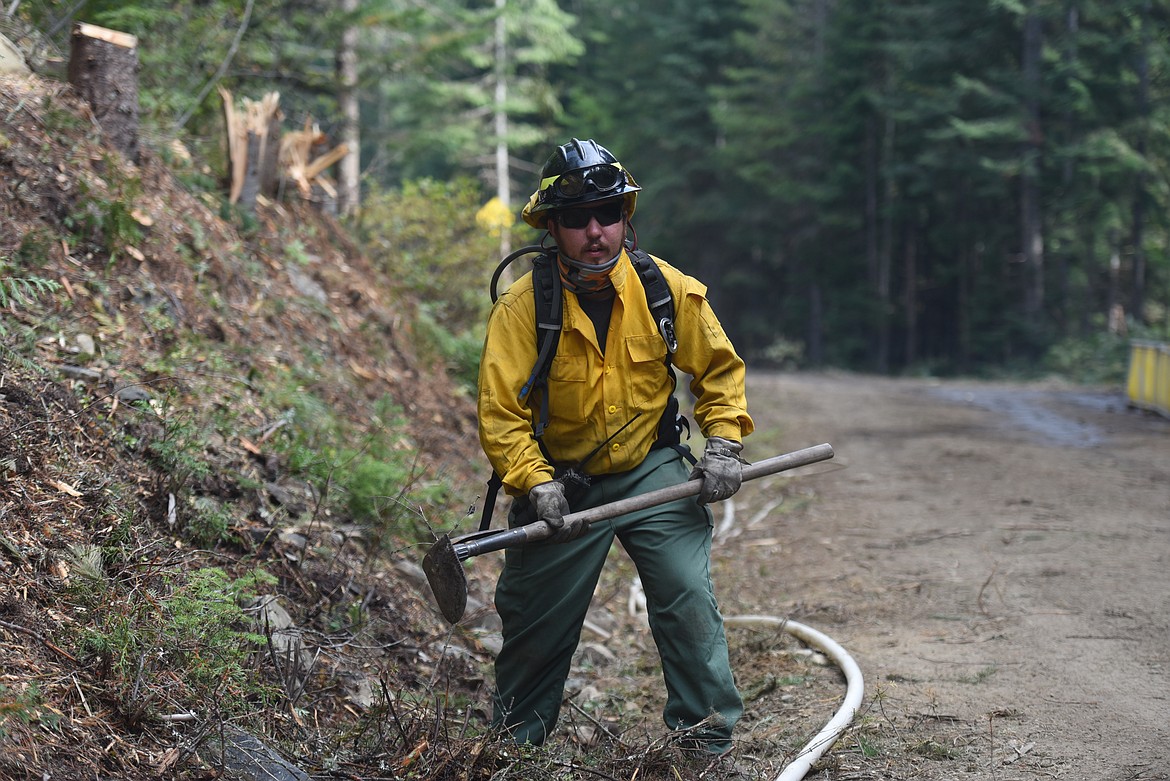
{"points": [[894, 186]]}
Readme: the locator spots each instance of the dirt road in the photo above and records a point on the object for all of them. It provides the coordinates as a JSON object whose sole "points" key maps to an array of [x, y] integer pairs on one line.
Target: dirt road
{"points": [[995, 557]]}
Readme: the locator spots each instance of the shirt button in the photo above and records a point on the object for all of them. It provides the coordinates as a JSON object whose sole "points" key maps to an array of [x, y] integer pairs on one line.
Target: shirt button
{"points": [[612, 408], [616, 446]]}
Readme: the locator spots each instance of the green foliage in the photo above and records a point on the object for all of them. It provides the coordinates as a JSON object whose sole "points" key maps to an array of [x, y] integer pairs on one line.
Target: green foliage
{"points": [[24, 707], [146, 631], [848, 175], [1099, 358], [34, 249], [103, 216], [16, 290], [208, 522], [426, 238], [178, 450], [21, 290], [200, 38], [376, 488], [381, 484], [432, 77], [371, 475], [459, 352]]}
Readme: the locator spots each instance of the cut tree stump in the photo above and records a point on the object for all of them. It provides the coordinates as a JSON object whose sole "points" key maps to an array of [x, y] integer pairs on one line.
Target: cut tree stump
{"points": [[103, 68]]}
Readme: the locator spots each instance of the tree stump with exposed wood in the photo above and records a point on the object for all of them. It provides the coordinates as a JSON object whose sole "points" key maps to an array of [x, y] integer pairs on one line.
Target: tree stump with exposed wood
{"points": [[103, 68]]}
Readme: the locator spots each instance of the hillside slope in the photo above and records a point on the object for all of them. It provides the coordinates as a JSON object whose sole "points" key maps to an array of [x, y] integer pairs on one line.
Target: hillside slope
{"points": [[202, 399]]}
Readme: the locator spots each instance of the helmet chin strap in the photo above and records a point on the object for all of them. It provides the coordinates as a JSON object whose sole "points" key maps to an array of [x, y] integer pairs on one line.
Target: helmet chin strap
{"points": [[582, 277]]}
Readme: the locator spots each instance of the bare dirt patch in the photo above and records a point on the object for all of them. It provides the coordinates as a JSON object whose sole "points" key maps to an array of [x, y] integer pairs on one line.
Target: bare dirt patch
{"points": [[994, 556]]}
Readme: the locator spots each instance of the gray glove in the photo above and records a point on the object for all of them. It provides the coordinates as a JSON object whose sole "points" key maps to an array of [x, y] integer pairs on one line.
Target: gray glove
{"points": [[551, 506], [721, 469]]}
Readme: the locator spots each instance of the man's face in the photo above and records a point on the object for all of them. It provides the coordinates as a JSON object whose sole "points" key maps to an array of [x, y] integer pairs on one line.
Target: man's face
{"points": [[592, 233]]}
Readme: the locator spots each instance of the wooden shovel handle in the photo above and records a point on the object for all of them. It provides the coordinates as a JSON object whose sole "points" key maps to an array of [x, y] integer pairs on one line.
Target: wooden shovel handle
{"points": [[535, 532]]}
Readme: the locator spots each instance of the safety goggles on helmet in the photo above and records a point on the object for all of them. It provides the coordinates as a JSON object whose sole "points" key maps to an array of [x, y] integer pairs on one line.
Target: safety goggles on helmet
{"points": [[573, 184], [606, 213]]}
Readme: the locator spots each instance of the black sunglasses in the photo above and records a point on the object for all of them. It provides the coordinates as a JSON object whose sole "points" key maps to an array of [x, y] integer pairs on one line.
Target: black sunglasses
{"points": [[605, 214]]}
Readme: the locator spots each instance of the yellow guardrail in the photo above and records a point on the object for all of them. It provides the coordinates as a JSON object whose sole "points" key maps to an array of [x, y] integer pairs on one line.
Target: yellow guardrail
{"points": [[1148, 385]]}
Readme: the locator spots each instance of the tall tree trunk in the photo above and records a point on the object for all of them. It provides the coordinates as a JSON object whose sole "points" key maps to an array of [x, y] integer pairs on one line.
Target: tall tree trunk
{"points": [[1138, 292], [879, 346], [886, 248], [349, 170], [503, 175], [1069, 54], [910, 301], [966, 279], [1031, 227], [1115, 317], [816, 325]]}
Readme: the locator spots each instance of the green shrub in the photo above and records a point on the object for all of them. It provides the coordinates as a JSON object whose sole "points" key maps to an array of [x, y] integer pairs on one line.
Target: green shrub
{"points": [[146, 630], [104, 216], [1100, 358], [426, 238], [16, 290], [459, 351], [372, 474]]}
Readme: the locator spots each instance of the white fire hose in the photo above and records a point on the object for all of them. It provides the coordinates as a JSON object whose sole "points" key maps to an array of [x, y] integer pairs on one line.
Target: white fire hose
{"points": [[855, 689]]}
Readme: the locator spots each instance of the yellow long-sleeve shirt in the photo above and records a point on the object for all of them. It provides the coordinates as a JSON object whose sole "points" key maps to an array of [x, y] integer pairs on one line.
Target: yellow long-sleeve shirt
{"points": [[593, 395]]}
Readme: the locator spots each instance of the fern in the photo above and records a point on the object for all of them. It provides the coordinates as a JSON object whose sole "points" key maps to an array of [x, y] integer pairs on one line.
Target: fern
{"points": [[16, 290]]}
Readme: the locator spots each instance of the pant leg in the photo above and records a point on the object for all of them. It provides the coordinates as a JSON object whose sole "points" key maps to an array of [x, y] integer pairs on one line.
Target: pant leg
{"points": [[542, 597], [671, 547]]}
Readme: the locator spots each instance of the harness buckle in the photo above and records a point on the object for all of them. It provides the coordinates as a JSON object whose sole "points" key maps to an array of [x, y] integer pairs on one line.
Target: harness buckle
{"points": [[666, 328]]}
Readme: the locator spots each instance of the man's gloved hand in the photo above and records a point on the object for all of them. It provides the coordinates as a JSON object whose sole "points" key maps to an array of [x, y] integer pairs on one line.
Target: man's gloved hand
{"points": [[551, 506], [721, 469]]}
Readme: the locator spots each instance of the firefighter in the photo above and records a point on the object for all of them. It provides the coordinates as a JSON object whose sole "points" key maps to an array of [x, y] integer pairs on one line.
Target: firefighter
{"points": [[610, 381]]}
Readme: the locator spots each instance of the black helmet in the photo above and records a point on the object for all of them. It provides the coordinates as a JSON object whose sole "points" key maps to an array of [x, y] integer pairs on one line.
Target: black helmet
{"points": [[577, 173]]}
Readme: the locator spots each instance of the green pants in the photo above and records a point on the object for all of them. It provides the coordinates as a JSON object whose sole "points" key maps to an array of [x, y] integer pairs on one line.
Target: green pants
{"points": [[544, 591]]}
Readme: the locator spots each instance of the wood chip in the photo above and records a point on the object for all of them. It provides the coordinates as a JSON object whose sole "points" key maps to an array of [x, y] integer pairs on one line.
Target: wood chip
{"points": [[64, 488]]}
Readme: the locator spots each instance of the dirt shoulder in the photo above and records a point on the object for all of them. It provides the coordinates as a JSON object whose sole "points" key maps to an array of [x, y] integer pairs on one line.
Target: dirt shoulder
{"points": [[993, 556]]}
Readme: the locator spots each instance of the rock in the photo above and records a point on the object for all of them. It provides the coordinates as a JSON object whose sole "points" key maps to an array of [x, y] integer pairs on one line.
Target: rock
{"points": [[81, 373], [129, 394], [269, 614], [288, 646], [86, 345], [244, 757], [11, 60], [360, 691], [594, 655], [306, 285], [491, 642]]}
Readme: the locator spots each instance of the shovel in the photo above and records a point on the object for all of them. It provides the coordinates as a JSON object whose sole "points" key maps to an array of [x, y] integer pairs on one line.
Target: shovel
{"points": [[443, 562]]}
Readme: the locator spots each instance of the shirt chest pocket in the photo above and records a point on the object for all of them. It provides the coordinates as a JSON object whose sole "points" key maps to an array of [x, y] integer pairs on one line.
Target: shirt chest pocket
{"points": [[647, 375], [567, 385]]}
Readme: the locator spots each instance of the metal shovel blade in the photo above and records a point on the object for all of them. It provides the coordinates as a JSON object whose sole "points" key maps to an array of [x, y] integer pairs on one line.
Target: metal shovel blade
{"points": [[448, 580]]}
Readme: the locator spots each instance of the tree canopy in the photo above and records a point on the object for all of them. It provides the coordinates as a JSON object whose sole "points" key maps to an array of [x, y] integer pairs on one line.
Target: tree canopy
{"points": [[886, 185]]}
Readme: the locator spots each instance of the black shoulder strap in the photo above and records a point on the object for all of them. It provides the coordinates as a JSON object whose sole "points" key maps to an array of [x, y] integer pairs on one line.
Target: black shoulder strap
{"points": [[658, 297], [547, 294], [661, 303], [550, 317]]}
